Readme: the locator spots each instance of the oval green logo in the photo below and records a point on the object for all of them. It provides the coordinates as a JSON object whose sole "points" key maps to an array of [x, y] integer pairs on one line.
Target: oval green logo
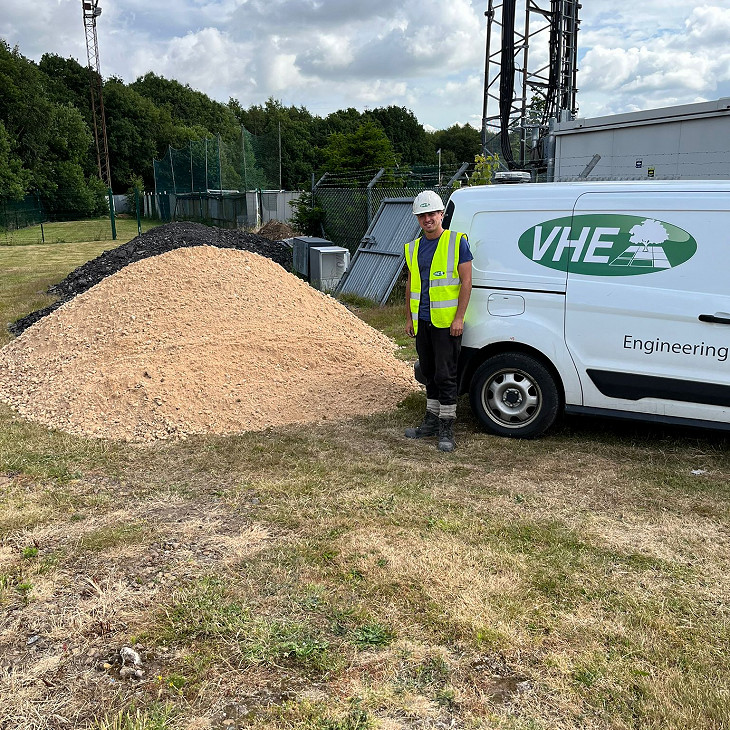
{"points": [[607, 244]]}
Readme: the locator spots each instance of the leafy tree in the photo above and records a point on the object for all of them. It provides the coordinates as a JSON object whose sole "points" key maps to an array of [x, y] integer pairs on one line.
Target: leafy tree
{"points": [[343, 121], [54, 153], [267, 124], [137, 132], [308, 217], [484, 168], [457, 144], [14, 179], [408, 137], [366, 148], [67, 82], [23, 105], [188, 107]]}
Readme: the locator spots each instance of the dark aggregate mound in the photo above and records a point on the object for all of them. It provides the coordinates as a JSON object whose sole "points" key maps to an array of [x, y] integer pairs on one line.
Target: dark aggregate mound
{"points": [[157, 241]]}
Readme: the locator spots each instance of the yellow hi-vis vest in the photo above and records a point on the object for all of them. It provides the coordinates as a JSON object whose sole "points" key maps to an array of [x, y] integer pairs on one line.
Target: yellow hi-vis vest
{"points": [[444, 284]]}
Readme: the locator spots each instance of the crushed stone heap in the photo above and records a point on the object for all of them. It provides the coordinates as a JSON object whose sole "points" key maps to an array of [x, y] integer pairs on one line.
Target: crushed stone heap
{"points": [[154, 242], [199, 340]]}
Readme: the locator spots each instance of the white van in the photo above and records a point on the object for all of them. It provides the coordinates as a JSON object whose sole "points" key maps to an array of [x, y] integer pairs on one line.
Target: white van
{"points": [[605, 298]]}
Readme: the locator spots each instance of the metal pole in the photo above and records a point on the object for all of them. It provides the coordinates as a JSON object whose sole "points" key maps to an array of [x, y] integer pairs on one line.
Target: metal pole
{"points": [[243, 147], [206, 164], [489, 15], [523, 110], [464, 167], [280, 188], [157, 201], [220, 172], [172, 170], [136, 208], [111, 215], [377, 177], [192, 175]]}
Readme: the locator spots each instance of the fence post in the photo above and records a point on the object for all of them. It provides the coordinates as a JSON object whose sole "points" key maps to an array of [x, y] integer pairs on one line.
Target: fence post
{"points": [[172, 170], [136, 206], [111, 215], [464, 167], [377, 177]]}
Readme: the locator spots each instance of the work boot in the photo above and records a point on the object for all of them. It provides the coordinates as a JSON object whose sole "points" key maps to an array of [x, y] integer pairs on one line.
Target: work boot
{"points": [[428, 427], [446, 434]]}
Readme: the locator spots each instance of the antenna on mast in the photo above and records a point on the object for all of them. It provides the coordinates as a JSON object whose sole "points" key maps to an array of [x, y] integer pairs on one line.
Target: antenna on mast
{"points": [[91, 12], [529, 75]]}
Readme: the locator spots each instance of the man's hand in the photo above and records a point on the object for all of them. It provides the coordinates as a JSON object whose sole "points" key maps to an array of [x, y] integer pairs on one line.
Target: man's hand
{"points": [[457, 327], [409, 328]]}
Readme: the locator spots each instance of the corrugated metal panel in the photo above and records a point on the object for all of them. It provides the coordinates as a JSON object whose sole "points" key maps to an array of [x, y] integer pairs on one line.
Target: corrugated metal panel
{"points": [[379, 259]]}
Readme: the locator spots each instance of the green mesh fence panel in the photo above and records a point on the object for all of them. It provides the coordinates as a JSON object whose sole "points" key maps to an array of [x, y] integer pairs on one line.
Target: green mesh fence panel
{"points": [[18, 214], [250, 162], [261, 160]]}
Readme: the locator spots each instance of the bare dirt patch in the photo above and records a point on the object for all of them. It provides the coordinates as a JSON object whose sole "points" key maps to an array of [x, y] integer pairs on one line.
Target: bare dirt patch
{"points": [[199, 340], [276, 231]]}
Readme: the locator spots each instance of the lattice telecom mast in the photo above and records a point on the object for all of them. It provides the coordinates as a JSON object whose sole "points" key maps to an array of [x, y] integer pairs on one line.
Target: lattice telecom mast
{"points": [[530, 76], [91, 12]]}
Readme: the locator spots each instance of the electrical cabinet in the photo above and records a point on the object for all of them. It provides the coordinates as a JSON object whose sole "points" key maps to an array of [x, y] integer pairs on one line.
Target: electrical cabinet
{"points": [[327, 264]]}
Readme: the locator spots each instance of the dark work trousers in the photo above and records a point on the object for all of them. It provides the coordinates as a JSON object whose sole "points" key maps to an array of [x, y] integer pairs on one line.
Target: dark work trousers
{"points": [[438, 354]]}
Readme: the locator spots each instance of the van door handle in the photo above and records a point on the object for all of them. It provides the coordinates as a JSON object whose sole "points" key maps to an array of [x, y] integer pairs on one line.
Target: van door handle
{"points": [[714, 318]]}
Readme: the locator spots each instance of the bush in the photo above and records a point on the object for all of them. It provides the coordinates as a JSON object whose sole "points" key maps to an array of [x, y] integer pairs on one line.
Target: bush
{"points": [[308, 217]]}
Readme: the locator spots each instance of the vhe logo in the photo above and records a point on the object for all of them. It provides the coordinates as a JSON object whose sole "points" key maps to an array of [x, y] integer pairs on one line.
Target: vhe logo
{"points": [[607, 244]]}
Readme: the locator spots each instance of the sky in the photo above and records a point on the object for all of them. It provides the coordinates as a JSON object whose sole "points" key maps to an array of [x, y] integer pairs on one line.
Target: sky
{"points": [[425, 55]]}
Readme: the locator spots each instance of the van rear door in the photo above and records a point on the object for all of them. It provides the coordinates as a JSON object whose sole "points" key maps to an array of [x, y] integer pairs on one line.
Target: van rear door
{"points": [[648, 303]]}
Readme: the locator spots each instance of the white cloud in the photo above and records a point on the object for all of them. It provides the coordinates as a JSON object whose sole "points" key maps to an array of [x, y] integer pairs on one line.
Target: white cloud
{"points": [[427, 55], [630, 63]]}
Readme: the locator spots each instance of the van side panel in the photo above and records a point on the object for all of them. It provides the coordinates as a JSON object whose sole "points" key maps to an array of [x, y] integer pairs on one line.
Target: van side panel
{"points": [[514, 300], [648, 322]]}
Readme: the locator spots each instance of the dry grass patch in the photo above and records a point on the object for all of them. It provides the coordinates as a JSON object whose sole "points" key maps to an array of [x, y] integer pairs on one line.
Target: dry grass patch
{"points": [[342, 576]]}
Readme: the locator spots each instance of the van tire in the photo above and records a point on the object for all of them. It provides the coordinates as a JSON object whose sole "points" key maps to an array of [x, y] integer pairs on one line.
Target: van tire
{"points": [[514, 395]]}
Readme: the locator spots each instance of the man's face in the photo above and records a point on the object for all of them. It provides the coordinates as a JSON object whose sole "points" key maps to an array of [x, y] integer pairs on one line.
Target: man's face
{"points": [[430, 222]]}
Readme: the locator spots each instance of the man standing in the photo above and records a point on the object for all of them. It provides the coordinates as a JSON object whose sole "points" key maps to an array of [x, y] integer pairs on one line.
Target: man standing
{"points": [[438, 288]]}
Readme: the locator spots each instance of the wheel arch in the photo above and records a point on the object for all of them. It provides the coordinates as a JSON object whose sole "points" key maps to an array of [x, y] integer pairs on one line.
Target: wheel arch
{"points": [[477, 358]]}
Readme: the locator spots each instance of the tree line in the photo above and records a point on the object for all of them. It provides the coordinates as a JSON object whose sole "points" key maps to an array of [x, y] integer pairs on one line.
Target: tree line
{"points": [[47, 145]]}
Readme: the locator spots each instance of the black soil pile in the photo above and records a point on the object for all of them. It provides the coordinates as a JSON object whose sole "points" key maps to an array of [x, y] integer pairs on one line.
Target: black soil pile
{"points": [[157, 241]]}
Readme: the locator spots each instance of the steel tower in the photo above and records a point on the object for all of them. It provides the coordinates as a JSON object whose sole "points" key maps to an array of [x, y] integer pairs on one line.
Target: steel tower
{"points": [[529, 76], [91, 12]]}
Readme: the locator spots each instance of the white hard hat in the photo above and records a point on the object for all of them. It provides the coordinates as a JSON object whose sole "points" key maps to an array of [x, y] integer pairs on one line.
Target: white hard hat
{"points": [[427, 202]]}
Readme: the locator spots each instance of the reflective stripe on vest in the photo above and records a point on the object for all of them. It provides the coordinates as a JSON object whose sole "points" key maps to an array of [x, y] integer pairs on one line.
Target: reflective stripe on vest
{"points": [[443, 284]]}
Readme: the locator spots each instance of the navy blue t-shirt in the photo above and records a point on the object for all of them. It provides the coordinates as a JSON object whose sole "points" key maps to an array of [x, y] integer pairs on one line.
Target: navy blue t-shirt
{"points": [[426, 250]]}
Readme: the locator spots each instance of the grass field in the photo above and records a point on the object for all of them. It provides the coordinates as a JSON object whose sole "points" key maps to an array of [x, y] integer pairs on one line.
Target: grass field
{"points": [[342, 577], [28, 269], [96, 229]]}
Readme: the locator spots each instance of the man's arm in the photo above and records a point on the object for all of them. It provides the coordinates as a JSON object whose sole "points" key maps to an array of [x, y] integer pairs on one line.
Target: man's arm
{"points": [[409, 316], [457, 326]]}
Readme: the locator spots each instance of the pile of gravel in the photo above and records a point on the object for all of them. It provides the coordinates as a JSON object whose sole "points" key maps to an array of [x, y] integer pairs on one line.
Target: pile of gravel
{"points": [[154, 242], [200, 340]]}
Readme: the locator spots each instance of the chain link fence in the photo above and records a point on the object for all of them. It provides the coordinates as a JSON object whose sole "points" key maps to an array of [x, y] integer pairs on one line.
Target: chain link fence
{"points": [[18, 214], [351, 200], [31, 221]]}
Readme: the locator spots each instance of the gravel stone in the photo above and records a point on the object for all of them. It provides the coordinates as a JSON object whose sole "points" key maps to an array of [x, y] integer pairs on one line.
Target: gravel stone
{"points": [[199, 340], [154, 242]]}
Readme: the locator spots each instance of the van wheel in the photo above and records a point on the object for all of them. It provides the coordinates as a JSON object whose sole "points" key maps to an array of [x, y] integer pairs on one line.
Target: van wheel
{"points": [[514, 395]]}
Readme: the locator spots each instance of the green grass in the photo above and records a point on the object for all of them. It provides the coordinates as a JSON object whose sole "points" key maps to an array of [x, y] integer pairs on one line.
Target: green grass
{"points": [[30, 267], [97, 229], [341, 576]]}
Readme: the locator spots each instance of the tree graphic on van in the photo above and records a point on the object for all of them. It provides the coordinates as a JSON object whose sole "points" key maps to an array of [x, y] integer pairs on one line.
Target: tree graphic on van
{"points": [[607, 244], [650, 233]]}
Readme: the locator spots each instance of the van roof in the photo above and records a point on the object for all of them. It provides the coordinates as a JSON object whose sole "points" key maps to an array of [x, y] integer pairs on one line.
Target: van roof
{"points": [[557, 194]]}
